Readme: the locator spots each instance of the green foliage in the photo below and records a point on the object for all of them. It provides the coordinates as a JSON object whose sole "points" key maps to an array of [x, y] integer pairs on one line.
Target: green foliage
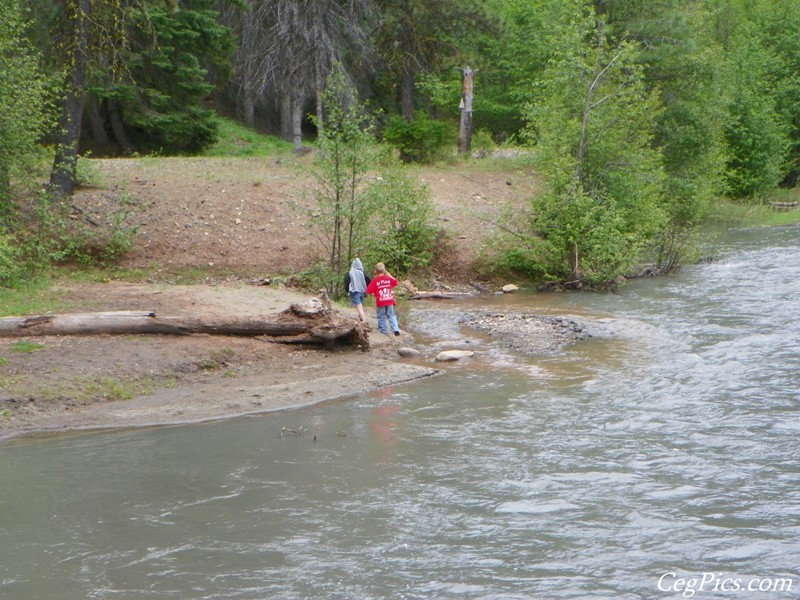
{"points": [[744, 214], [420, 140], [357, 213], [482, 143], [583, 240], [25, 347], [86, 174], [30, 295], [682, 60], [675, 247], [401, 233], [509, 63], [345, 152], [593, 126], [23, 102], [11, 269], [52, 237], [90, 247], [173, 50], [778, 22], [757, 137]]}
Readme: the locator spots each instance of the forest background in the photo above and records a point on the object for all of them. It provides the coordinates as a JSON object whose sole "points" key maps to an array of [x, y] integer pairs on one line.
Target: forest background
{"points": [[640, 116]]}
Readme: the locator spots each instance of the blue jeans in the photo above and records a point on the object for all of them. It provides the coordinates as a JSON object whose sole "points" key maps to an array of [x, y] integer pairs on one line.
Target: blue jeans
{"points": [[383, 313]]}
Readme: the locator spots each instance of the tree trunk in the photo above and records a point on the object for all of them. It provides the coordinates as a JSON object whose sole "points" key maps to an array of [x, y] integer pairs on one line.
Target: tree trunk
{"points": [[62, 177], [297, 125], [248, 108], [314, 322], [320, 115], [286, 117], [118, 127], [407, 95], [96, 121], [247, 94], [465, 130]]}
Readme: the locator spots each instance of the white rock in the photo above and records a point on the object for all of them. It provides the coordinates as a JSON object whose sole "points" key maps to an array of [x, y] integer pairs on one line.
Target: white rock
{"points": [[507, 289], [409, 352], [448, 355]]}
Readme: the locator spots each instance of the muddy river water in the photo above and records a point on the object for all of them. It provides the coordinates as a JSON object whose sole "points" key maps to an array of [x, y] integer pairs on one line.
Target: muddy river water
{"points": [[659, 459]]}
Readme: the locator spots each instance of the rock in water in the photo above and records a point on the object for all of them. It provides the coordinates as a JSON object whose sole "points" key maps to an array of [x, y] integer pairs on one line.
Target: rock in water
{"points": [[507, 289], [409, 352], [448, 355]]}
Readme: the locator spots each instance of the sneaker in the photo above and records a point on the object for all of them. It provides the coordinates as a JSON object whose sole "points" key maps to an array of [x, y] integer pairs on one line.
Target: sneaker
{"points": [[397, 333]]}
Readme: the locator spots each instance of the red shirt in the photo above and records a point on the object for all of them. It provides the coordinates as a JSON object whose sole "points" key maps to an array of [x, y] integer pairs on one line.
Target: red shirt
{"points": [[381, 287]]}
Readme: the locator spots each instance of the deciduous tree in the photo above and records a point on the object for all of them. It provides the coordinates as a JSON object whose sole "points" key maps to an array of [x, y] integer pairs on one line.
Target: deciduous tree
{"points": [[23, 114], [593, 126]]}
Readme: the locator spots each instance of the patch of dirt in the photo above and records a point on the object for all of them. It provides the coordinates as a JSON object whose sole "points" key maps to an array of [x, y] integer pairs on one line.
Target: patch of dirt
{"points": [[231, 217], [248, 215]]}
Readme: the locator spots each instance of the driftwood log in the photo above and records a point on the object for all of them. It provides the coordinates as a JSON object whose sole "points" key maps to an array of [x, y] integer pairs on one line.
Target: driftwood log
{"points": [[313, 322]]}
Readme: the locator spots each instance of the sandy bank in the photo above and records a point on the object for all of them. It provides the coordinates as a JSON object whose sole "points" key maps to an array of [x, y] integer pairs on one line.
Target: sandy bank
{"points": [[85, 382]]}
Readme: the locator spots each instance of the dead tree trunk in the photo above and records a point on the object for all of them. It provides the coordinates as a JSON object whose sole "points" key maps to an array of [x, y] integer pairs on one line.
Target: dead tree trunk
{"points": [[465, 129], [314, 322]]}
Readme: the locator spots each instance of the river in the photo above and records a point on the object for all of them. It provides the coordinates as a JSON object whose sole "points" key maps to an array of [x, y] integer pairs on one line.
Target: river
{"points": [[661, 460]]}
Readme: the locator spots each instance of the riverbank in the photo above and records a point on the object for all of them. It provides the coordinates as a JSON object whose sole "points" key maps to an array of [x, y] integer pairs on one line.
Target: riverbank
{"points": [[78, 382], [59, 383]]}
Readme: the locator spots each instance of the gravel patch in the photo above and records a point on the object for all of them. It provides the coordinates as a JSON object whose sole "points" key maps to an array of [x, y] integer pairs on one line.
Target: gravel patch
{"points": [[527, 334]]}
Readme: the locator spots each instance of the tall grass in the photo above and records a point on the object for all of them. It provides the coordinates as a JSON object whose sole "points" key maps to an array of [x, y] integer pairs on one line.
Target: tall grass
{"points": [[734, 214], [35, 296], [236, 140]]}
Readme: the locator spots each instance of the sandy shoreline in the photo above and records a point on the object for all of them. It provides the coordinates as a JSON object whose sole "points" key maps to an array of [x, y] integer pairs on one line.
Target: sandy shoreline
{"points": [[103, 381], [239, 397]]}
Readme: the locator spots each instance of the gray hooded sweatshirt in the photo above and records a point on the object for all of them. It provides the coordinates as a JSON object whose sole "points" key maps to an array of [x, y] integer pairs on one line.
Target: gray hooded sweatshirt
{"points": [[358, 282]]}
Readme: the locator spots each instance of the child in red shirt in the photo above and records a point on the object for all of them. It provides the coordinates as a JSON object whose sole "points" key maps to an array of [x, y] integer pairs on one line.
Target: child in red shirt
{"points": [[381, 287]]}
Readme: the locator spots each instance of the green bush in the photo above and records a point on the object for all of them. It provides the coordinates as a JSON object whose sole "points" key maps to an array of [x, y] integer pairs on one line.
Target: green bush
{"points": [[189, 132], [402, 235], [482, 143], [421, 140], [10, 255]]}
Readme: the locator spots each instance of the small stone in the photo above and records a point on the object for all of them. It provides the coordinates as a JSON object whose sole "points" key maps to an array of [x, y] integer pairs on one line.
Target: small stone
{"points": [[409, 352], [449, 355], [509, 288]]}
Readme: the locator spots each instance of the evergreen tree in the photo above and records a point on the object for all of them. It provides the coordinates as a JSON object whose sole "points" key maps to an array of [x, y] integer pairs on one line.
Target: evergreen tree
{"points": [[175, 50]]}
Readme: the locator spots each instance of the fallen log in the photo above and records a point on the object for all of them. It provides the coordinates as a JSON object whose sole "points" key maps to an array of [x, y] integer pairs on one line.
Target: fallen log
{"points": [[91, 323], [314, 322]]}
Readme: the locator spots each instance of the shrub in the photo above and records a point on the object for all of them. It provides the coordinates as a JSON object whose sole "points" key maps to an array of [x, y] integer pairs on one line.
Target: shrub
{"points": [[10, 269], [403, 235], [420, 140]]}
